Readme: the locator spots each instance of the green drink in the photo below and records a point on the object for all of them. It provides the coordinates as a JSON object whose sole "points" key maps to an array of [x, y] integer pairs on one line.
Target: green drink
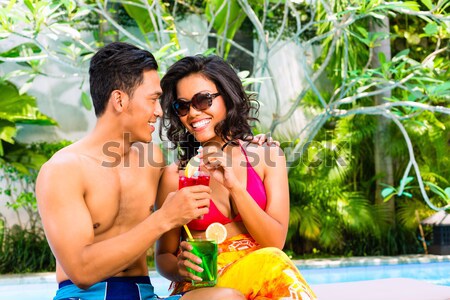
{"points": [[207, 251]]}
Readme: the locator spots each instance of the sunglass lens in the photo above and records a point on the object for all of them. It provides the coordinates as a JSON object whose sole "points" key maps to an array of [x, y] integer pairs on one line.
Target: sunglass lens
{"points": [[181, 107], [201, 101]]}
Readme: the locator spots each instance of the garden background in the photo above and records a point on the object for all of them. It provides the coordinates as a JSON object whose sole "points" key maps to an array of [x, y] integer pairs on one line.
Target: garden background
{"points": [[357, 92]]}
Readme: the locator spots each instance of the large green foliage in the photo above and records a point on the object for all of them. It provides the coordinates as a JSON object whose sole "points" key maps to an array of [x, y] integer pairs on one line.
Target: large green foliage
{"points": [[332, 176], [17, 109], [415, 75]]}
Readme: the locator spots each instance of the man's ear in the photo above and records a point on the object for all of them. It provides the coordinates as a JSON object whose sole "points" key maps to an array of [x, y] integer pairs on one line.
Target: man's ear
{"points": [[119, 100]]}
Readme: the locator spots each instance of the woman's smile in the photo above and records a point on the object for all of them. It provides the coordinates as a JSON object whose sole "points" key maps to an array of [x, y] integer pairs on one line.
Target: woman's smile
{"points": [[200, 124]]}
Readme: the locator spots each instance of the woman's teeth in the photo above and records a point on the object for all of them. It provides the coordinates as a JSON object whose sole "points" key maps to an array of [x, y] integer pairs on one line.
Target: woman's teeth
{"points": [[200, 124]]}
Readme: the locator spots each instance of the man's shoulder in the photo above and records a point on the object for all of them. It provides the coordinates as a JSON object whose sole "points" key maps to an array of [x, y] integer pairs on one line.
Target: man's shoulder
{"points": [[64, 158], [61, 169]]}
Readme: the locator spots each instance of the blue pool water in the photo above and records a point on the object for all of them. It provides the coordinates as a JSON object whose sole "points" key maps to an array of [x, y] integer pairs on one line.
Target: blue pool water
{"points": [[43, 287], [436, 273]]}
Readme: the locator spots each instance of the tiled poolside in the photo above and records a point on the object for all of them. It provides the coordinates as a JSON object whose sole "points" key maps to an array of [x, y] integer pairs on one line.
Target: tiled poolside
{"points": [[379, 289]]}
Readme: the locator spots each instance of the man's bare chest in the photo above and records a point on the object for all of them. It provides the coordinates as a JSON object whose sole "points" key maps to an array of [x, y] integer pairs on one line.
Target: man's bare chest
{"points": [[118, 199]]}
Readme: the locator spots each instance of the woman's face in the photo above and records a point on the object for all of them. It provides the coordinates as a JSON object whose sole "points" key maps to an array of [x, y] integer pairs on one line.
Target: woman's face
{"points": [[201, 123]]}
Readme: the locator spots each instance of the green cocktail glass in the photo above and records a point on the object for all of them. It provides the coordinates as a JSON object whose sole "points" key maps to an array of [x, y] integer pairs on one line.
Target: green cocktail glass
{"points": [[207, 251]]}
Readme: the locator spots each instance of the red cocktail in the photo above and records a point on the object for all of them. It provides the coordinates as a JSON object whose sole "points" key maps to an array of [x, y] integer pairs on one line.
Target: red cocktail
{"points": [[200, 178]]}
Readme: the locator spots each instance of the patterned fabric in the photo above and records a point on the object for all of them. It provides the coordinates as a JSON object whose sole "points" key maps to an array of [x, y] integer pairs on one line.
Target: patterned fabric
{"points": [[114, 288], [259, 273]]}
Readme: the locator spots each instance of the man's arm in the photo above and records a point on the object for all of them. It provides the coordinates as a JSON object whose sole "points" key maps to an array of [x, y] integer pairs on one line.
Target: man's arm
{"points": [[69, 229], [167, 246]]}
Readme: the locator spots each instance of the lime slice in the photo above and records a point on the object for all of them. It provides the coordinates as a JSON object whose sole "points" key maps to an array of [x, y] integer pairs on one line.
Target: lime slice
{"points": [[192, 166], [217, 232]]}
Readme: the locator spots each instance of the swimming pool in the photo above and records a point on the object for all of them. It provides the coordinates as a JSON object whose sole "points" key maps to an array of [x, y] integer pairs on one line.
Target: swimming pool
{"points": [[43, 286], [434, 272]]}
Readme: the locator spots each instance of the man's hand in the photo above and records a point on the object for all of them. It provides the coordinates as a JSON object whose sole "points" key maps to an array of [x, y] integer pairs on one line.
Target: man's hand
{"points": [[187, 204], [263, 138]]}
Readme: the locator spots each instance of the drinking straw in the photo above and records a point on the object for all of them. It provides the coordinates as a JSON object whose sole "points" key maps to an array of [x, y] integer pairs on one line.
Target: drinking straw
{"points": [[195, 252], [188, 232]]}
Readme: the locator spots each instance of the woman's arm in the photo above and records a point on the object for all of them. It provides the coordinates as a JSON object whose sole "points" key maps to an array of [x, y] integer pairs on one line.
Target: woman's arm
{"points": [[269, 227]]}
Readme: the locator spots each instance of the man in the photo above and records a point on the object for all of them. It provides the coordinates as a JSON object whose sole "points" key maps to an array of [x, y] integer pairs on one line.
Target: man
{"points": [[96, 196]]}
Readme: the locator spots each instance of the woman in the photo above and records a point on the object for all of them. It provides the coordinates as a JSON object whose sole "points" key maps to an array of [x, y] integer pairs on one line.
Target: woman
{"points": [[205, 104]]}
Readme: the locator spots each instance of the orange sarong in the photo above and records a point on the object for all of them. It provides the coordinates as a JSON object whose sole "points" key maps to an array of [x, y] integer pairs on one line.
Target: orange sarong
{"points": [[258, 273]]}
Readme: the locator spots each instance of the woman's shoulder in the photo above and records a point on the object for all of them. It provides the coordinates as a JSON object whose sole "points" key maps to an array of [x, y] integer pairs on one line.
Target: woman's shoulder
{"points": [[171, 169], [268, 154]]}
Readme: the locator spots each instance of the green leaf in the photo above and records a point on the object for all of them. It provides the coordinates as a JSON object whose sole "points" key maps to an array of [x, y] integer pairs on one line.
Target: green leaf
{"points": [[66, 29], [388, 197], [228, 20], [17, 51], [447, 192], [363, 31], [437, 190], [26, 86], [387, 191], [20, 108], [140, 15], [209, 51], [243, 74], [406, 180], [86, 101], [427, 3], [29, 4], [26, 158], [431, 29], [20, 167], [412, 5], [82, 12], [400, 55], [248, 81], [382, 58], [377, 15], [8, 131]]}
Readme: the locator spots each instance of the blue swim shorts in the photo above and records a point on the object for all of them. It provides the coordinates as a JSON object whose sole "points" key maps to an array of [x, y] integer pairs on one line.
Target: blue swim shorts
{"points": [[114, 288]]}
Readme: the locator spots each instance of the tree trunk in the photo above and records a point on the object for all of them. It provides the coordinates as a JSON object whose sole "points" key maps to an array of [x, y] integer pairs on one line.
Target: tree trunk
{"points": [[383, 160], [240, 60], [107, 33]]}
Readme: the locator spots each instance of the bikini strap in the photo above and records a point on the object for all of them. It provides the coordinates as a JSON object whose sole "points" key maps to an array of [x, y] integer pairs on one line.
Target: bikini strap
{"points": [[245, 153]]}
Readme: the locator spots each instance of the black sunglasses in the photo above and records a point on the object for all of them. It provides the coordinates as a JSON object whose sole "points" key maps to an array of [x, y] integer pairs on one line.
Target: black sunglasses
{"points": [[200, 101]]}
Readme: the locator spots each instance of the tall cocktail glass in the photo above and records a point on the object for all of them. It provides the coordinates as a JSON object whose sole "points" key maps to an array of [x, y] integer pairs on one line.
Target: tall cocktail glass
{"points": [[207, 251]]}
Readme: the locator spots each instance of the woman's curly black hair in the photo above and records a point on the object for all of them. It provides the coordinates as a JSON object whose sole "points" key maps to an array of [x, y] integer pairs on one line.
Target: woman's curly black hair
{"points": [[240, 110]]}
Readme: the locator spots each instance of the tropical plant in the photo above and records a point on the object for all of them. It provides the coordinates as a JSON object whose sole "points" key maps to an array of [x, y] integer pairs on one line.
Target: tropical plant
{"points": [[23, 250], [23, 247], [16, 109], [357, 89]]}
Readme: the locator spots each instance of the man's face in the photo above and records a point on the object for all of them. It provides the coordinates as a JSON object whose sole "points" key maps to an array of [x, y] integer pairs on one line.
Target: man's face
{"points": [[144, 108]]}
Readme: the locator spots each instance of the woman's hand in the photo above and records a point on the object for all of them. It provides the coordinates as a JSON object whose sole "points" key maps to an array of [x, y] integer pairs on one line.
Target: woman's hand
{"points": [[219, 165], [187, 259]]}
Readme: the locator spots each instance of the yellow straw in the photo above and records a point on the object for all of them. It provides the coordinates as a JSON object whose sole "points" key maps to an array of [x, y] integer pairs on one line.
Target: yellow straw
{"points": [[188, 232]]}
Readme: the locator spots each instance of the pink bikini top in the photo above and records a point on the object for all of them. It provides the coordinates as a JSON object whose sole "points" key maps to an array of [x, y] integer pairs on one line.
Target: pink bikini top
{"points": [[255, 188]]}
